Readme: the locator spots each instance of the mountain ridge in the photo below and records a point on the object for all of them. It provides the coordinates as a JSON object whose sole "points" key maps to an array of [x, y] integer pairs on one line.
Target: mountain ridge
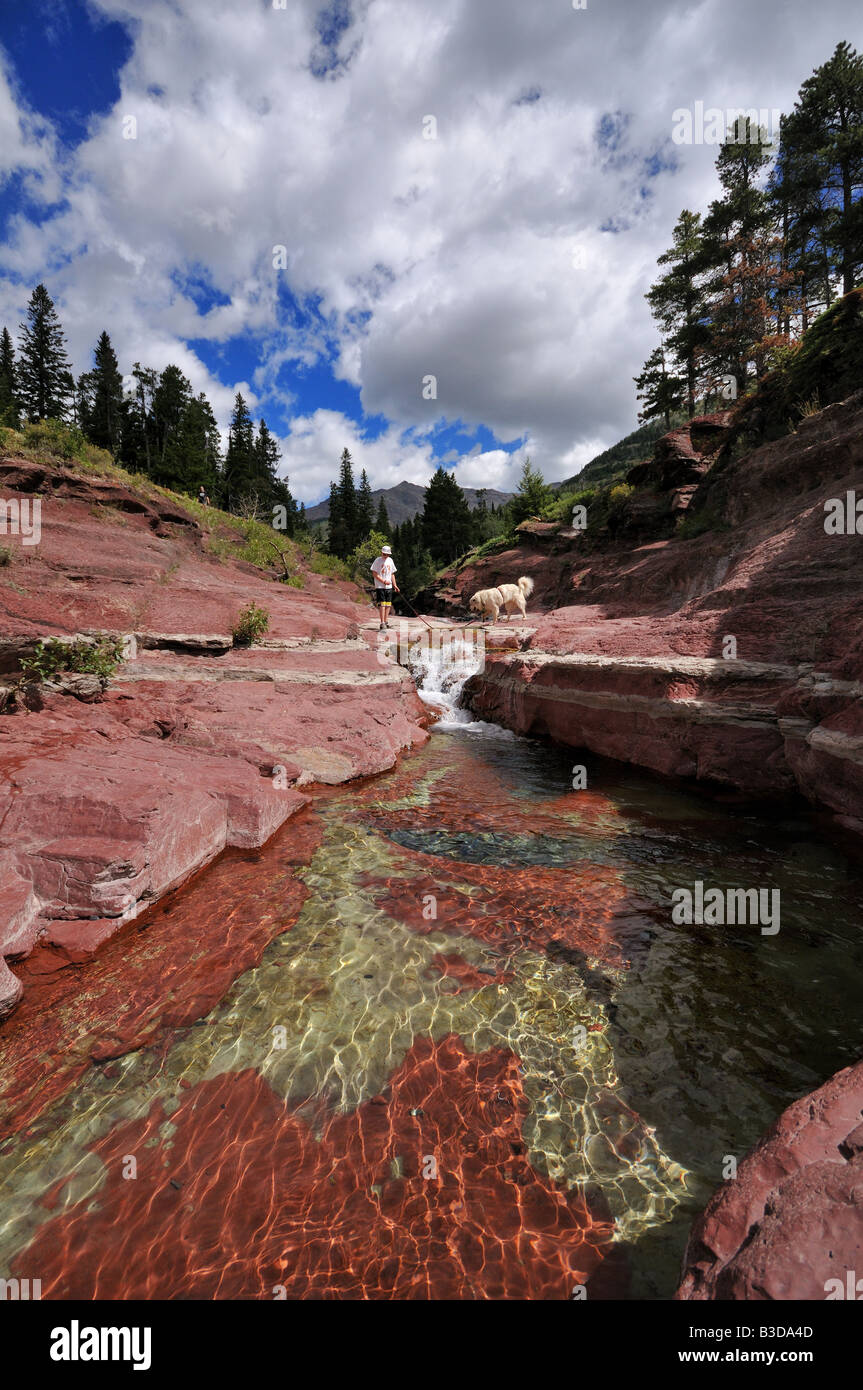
{"points": [[406, 500]]}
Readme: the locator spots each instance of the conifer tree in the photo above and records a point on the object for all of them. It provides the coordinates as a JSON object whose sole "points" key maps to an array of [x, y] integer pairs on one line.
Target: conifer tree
{"points": [[170, 402], [678, 302], [104, 404], [43, 367], [446, 527], [661, 392], [138, 439], [532, 494], [10, 404], [365, 509], [747, 285], [199, 448], [335, 524], [819, 176], [382, 521], [241, 472], [342, 524]]}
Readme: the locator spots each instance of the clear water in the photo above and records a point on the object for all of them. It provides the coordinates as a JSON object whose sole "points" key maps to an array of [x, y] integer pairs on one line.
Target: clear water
{"points": [[577, 1066]]}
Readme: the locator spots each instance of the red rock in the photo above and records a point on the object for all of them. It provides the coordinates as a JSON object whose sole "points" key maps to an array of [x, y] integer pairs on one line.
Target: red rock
{"points": [[628, 660], [792, 1219], [195, 746]]}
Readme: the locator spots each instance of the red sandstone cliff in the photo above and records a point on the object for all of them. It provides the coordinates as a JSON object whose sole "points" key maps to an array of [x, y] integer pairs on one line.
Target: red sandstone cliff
{"points": [[110, 800], [627, 655]]}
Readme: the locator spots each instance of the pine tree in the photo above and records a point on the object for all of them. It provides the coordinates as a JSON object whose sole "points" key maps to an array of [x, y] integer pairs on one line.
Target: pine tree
{"points": [[747, 285], [342, 525], [241, 472], [267, 457], [678, 302], [10, 403], [43, 368], [104, 402], [446, 527], [199, 447], [820, 175], [170, 401], [138, 433], [661, 392], [276, 497], [335, 524], [365, 509], [382, 521], [532, 495]]}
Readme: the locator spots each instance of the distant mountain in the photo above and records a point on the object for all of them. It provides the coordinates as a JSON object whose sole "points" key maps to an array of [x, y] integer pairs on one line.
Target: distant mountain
{"points": [[406, 500]]}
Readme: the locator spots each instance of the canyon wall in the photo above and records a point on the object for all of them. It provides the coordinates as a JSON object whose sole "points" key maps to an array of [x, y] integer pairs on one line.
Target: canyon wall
{"points": [[734, 656]]}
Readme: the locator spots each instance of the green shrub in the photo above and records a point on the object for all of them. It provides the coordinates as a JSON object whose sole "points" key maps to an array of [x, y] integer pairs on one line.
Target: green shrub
{"points": [[251, 624], [330, 566], [5, 555], [99, 657], [562, 508], [620, 494], [360, 560]]}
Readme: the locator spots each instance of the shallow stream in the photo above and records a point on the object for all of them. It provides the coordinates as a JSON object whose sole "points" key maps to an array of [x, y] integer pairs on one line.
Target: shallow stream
{"points": [[471, 1055]]}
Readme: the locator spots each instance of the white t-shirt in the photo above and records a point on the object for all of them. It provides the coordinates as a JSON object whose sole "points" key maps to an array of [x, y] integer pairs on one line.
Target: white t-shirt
{"points": [[383, 570]]}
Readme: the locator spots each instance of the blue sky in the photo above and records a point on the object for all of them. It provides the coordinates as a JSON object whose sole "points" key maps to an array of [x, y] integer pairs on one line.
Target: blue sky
{"points": [[507, 257]]}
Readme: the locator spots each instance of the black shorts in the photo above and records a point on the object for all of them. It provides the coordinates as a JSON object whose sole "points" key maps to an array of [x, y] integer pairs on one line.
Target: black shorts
{"points": [[383, 596]]}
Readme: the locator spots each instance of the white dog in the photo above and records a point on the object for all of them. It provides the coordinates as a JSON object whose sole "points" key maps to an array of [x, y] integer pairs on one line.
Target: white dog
{"points": [[506, 596]]}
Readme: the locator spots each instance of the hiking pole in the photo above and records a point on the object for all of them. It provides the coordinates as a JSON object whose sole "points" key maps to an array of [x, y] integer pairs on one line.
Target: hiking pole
{"points": [[414, 611]]}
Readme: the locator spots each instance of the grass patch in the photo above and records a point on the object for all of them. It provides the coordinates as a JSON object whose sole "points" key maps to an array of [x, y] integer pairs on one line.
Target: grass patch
{"points": [[47, 440], [330, 566]]}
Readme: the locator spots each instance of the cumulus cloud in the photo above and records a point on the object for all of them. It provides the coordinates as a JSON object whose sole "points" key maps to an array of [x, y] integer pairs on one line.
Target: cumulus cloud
{"points": [[508, 256]]}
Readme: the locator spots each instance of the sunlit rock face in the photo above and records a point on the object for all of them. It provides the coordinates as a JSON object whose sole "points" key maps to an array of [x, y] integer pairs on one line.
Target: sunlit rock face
{"points": [[115, 797], [735, 656], [788, 1225]]}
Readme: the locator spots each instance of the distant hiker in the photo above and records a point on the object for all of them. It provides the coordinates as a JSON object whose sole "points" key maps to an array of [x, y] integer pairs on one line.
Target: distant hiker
{"points": [[202, 496], [384, 572]]}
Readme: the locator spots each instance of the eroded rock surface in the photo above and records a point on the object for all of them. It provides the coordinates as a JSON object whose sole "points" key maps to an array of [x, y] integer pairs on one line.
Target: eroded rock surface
{"points": [[789, 1225], [112, 797]]}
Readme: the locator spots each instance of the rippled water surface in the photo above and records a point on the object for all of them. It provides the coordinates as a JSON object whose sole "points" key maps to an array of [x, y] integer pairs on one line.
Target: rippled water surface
{"points": [[440, 1038]]}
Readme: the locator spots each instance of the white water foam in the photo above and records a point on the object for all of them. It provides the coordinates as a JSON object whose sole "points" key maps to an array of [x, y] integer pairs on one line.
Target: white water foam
{"points": [[441, 669]]}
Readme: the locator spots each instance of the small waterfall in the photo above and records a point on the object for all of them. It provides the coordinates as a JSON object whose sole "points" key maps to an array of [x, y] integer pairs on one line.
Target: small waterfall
{"points": [[441, 663]]}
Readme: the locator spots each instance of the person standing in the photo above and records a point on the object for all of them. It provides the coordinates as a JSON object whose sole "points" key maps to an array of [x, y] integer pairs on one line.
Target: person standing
{"points": [[384, 571]]}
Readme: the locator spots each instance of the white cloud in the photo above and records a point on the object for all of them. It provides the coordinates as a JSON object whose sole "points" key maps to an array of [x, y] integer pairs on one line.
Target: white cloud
{"points": [[451, 256]]}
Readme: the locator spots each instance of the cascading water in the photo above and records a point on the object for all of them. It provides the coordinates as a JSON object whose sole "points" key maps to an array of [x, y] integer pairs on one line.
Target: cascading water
{"points": [[442, 662]]}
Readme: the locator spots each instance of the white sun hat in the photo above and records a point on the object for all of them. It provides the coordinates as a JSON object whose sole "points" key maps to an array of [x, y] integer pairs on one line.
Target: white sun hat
{"points": [[385, 550]]}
